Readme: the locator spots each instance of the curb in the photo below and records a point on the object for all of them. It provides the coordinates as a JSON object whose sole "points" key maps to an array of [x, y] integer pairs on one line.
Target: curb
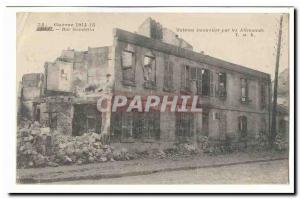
{"points": [[32, 180]]}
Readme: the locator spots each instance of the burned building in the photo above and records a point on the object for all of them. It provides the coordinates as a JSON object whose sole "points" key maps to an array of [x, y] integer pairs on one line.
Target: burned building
{"points": [[235, 100]]}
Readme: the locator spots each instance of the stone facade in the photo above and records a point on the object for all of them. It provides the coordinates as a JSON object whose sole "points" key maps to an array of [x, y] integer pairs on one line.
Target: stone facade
{"points": [[223, 111], [235, 100]]}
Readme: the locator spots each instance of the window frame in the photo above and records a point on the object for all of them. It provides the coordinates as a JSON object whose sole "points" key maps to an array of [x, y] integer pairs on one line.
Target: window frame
{"points": [[151, 83], [263, 95], [128, 81], [168, 75], [184, 120], [186, 79], [209, 84], [244, 98], [222, 92], [139, 126]]}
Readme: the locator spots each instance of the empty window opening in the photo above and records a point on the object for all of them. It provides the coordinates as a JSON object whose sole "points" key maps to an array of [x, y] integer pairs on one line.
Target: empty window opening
{"points": [[244, 90], [149, 71], [87, 119], [128, 66], [91, 124], [196, 77], [222, 84], [186, 79], [168, 75], [205, 82]]}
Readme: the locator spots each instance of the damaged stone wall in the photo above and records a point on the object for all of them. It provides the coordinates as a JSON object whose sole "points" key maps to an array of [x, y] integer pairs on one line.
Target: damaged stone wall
{"points": [[153, 29], [31, 90], [229, 106], [87, 119], [57, 113], [32, 86], [75, 71], [64, 112]]}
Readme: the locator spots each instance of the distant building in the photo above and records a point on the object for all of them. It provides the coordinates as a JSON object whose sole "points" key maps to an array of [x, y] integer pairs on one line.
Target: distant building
{"points": [[235, 100], [282, 120]]}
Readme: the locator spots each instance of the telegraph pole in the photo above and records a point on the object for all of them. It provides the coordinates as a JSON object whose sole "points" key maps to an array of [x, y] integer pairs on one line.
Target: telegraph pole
{"points": [[274, 108]]}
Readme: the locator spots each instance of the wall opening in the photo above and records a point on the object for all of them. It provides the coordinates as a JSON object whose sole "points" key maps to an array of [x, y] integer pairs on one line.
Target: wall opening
{"points": [[86, 119], [244, 90], [135, 126], [205, 82], [128, 67], [184, 126], [222, 85]]}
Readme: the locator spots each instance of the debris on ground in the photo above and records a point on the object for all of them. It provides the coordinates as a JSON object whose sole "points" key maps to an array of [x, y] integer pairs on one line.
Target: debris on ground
{"points": [[37, 147]]}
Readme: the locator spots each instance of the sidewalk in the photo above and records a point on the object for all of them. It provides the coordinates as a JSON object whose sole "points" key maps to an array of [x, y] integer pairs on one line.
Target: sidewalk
{"points": [[139, 167]]}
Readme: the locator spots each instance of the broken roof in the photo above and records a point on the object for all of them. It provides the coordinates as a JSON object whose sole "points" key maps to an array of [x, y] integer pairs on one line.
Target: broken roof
{"points": [[154, 44]]}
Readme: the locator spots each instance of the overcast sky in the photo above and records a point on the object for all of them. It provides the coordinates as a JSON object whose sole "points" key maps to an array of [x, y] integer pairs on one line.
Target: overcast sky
{"points": [[256, 52]]}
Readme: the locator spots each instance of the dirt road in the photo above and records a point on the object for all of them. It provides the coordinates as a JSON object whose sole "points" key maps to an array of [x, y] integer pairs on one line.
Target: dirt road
{"points": [[254, 173]]}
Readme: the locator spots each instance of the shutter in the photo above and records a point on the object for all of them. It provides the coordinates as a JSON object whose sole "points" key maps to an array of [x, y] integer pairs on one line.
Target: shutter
{"points": [[166, 73], [241, 89], [247, 89], [245, 123], [182, 77], [225, 85], [217, 90], [225, 122], [240, 123], [171, 75], [194, 73], [199, 81], [211, 81], [263, 95], [189, 80]]}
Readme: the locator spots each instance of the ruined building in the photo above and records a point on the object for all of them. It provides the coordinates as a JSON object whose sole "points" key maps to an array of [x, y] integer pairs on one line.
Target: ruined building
{"points": [[235, 100]]}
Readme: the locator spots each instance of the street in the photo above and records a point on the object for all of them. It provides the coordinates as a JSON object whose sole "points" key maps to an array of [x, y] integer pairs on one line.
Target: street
{"points": [[272, 172]]}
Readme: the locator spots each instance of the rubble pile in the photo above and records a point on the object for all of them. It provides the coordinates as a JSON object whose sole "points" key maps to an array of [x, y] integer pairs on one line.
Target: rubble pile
{"points": [[151, 153], [37, 147], [181, 149], [33, 145], [87, 148]]}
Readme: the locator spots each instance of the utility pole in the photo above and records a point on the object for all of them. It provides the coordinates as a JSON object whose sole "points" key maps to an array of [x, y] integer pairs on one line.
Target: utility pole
{"points": [[274, 108]]}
